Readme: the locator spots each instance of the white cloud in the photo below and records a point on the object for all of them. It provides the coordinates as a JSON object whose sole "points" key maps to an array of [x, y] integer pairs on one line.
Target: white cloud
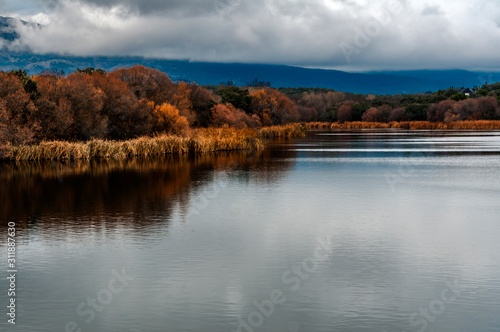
{"points": [[432, 34]]}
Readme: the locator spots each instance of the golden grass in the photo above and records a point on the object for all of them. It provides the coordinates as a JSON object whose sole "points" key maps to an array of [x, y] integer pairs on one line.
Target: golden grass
{"points": [[410, 125], [197, 141], [286, 131], [318, 125]]}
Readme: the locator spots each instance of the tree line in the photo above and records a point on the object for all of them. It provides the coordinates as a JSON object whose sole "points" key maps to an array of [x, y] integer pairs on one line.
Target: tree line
{"points": [[441, 106], [139, 101], [126, 103]]}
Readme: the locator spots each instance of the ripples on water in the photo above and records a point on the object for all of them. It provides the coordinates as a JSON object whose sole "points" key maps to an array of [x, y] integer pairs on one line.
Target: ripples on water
{"points": [[407, 214]]}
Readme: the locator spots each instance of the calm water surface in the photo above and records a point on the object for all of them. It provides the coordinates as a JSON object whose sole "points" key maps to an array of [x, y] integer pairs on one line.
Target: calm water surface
{"points": [[344, 231]]}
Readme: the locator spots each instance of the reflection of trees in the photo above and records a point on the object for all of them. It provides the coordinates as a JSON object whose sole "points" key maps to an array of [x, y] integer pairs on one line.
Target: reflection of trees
{"points": [[134, 194], [268, 165]]}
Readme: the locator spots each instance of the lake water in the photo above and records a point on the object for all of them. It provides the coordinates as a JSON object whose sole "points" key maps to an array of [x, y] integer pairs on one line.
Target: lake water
{"points": [[341, 231]]}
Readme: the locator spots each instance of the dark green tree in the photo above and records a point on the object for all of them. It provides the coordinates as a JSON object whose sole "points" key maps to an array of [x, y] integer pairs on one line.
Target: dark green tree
{"points": [[259, 84], [238, 97], [91, 70], [29, 85], [358, 110], [416, 112], [458, 97]]}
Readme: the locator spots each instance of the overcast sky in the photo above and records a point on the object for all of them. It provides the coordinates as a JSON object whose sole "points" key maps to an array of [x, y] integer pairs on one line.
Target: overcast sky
{"points": [[351, 35]]}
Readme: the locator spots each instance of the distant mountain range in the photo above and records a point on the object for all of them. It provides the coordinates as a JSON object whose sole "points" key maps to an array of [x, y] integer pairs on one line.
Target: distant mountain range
{"points": [[387, 82]]}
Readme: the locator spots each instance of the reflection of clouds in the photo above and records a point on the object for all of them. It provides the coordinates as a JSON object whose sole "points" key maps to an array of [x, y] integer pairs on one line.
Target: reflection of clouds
{"points": [[137, 190], [392, 252]]}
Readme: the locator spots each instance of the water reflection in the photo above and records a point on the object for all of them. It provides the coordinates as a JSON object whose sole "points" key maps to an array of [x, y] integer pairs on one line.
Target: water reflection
{"points": [[134, 194], [207, 237]]}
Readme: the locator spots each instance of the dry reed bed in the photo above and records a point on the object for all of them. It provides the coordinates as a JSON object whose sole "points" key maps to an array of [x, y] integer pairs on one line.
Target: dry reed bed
{"points": [[413, 125], [198, 141], [285, 131]]}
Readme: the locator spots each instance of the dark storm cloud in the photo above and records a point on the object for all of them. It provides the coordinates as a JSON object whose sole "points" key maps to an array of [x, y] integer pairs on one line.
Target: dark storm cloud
{"points": [[394, 34], [432, 10], [179, 7]]}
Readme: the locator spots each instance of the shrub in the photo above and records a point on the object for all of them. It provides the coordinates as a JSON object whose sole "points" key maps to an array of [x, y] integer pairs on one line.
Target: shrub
{"points": [[272, 107], [19, 123], [228, 115], [344, 113], [397, 114], [437, 112], [168, 119]]}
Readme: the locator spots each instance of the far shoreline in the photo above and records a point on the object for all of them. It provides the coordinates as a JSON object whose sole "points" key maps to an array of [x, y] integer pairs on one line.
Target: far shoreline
{"points": [[207, 140], [409, 125]]}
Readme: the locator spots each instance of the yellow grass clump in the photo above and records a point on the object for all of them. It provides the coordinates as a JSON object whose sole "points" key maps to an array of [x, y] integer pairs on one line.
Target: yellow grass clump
{"points": [[197, 141], [286, 131]]}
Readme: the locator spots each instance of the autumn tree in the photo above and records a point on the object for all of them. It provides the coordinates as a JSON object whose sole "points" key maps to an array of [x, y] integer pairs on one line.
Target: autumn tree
{"points": [[127, 117], [4, 123], [29, 85], [56, 116], [371, 115], [19, 116], [168, 119], [182, 100], [437, 112], [344, 114], [228, 115], [147, 83], [272, 107], [202, 101], [397, 114], [86, 102], [487, 108], [462, 110], [308, 114], [325, 104], [74, 106], [380, 114]]}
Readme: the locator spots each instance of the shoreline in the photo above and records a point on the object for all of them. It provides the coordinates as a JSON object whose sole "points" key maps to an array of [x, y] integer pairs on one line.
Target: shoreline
{"points": [[197, 141], [409, 125], [206, 140]]}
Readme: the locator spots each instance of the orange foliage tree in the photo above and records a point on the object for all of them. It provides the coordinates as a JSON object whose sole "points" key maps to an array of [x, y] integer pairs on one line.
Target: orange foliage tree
{"points": [[73, 107], [18, 114], [127, 116], [273, 107], [147, 83], [182, 100], [228, 115], [380, 114], [168, 119]]}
